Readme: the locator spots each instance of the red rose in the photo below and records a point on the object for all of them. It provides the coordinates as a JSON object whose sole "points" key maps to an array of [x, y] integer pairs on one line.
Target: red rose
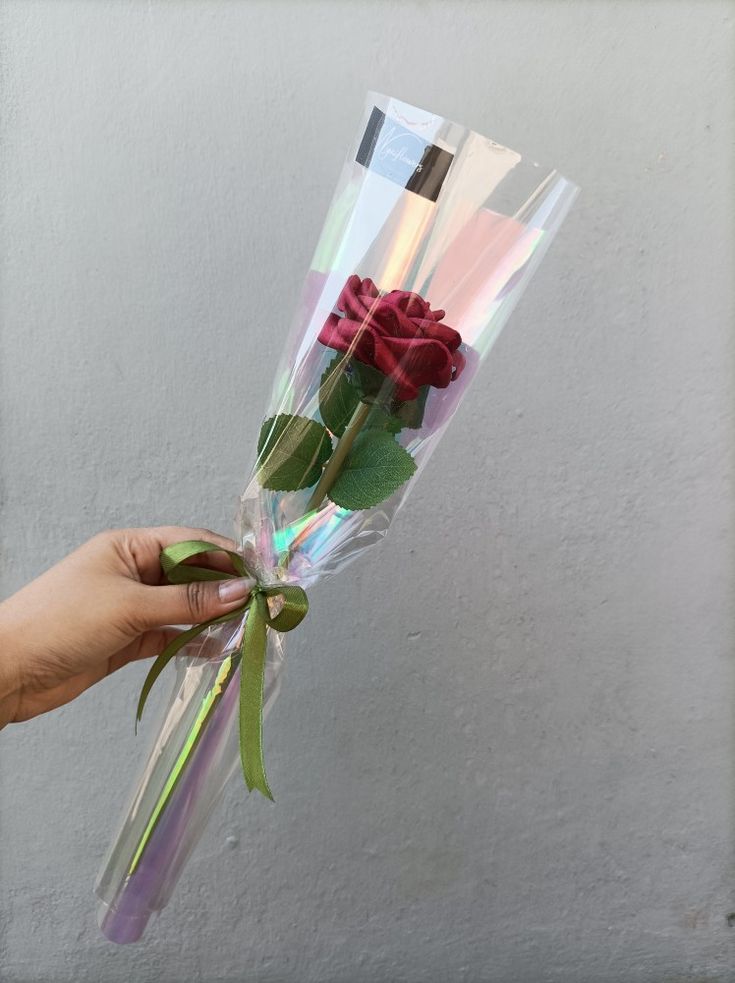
{"points": [[397, 333]]}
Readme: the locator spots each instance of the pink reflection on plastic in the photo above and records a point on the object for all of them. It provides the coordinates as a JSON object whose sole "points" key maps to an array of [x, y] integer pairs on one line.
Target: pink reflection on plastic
{"points": [[470, 290]]}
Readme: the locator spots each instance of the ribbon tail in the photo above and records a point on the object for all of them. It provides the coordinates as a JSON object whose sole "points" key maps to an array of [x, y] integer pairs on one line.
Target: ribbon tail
{"points": [[252, 681], [172, 649], [162, 660]]}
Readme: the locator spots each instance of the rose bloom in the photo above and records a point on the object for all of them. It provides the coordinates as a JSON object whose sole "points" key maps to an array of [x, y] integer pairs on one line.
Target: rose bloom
{"points": [[396, 333]]}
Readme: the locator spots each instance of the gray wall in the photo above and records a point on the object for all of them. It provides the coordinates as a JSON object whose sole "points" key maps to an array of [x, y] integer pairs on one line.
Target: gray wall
{"points": [[513, 760]]}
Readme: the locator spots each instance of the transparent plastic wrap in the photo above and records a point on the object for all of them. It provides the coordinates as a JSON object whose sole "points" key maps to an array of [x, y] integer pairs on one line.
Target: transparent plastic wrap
{"points": [[432, 236]]}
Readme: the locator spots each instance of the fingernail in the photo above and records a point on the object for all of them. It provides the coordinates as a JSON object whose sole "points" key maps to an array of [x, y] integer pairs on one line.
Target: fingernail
{"points": [[235, 590]]}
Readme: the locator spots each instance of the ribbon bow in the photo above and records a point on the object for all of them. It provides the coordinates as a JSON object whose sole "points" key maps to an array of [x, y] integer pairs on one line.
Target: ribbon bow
{"points": [[252, 647]]}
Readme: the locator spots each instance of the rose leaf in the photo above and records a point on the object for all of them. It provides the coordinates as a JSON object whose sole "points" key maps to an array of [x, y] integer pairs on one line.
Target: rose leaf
{"points": [[375, 467], [292, 450], [338, 399], [380, 420], [411, 413], [372, 384]]}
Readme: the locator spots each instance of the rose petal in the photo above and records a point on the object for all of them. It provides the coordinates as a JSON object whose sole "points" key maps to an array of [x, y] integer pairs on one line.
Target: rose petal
{"points": [[419, 362], [356, 299], [441, 332], [458, 363], [412, 304], [392, 321]]}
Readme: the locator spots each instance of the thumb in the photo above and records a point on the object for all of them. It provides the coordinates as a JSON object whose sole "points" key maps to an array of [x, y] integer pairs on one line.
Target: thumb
{"points": [[188, 604]]}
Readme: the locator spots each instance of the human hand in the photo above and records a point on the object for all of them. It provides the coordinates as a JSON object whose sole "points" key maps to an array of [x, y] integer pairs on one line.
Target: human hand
{"points": [[103, 606]]}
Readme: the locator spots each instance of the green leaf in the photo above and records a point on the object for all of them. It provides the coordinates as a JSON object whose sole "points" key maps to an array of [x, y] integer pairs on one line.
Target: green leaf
{"points": [[375, 467], [380, 420], [411, 413], [292, 450], [338, 399], [377, 388], [371, 382]]}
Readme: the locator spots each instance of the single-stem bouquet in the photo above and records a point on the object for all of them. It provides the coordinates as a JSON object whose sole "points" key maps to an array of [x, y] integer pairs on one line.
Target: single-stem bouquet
{"points": [[433, 234]]}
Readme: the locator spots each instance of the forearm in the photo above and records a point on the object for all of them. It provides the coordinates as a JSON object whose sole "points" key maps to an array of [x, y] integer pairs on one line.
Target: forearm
{"points": [[10, 684]]}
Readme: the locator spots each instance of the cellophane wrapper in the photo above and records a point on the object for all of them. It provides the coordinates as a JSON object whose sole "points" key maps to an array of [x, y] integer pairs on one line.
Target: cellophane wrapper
{"points": [[443, 220]]}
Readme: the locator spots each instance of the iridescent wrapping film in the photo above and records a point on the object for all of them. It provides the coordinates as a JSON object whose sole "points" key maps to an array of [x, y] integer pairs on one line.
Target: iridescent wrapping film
{"points": [[422, 205]]}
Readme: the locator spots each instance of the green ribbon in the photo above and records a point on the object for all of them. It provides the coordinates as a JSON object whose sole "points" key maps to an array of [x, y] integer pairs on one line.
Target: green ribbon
{"points": [[258, 619]]}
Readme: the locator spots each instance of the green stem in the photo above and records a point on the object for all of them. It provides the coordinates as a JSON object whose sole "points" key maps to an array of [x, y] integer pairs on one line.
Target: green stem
{"points": [[335, 462], [225, 674]]}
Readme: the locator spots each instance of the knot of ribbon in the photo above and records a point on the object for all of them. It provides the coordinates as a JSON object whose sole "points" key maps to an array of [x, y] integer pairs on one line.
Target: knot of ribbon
{"points": [[252, 646]]}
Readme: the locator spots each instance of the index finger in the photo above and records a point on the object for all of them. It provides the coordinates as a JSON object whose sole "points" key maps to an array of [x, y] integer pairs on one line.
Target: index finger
{"points": [[145, 546]]}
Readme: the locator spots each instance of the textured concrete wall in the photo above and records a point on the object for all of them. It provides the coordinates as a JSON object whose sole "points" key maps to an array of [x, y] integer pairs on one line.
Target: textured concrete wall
{"points": [[513, 759]]}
